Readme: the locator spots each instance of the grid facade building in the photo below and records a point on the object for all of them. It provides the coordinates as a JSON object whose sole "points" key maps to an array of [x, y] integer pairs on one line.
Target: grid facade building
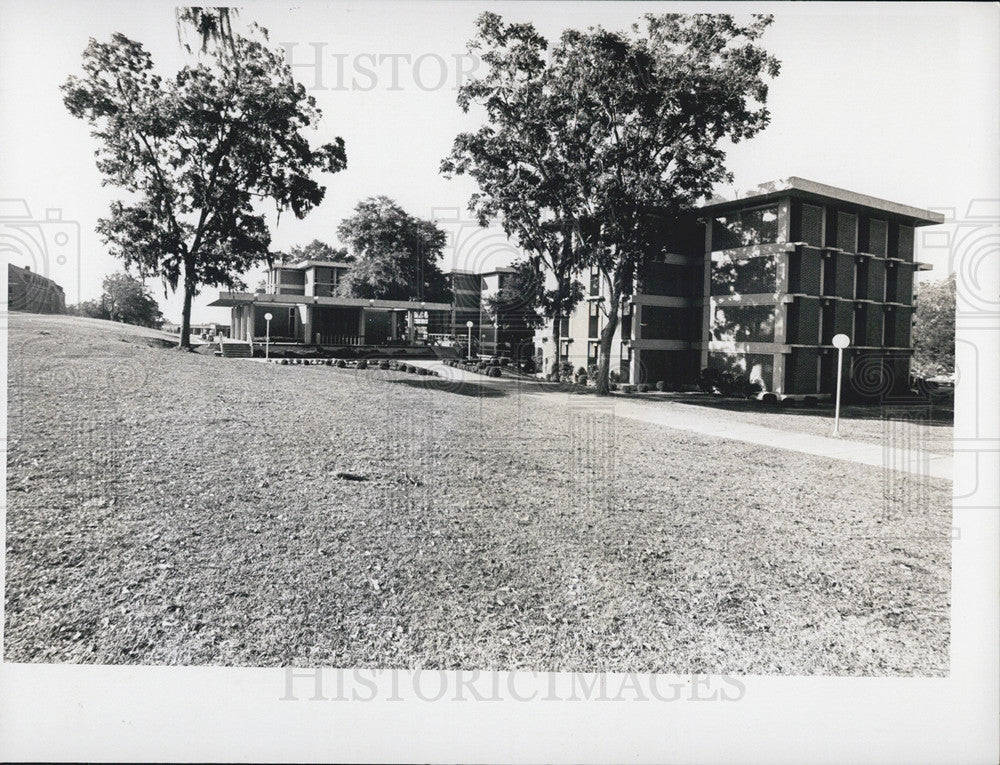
{"points": [[759, 286]]}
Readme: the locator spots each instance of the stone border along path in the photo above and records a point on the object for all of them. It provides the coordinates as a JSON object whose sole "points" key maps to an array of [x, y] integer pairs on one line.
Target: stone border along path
{"points": [[684, 418]]}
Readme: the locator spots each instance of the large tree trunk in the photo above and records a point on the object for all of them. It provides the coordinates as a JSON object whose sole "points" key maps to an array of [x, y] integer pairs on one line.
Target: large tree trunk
{"points": [[185, 339], [607, 335], [556, 339], [557, 324]]}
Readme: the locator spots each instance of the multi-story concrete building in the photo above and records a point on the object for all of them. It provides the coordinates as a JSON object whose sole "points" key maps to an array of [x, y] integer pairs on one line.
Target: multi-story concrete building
{"points": [[300, 299], [760, 285]]}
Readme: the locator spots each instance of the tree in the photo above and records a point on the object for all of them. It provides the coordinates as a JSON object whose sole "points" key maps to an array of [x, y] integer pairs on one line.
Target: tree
{"points": [[524, 299], [127, 299], [196, 153], [592, 156], [91, 309], [212, 24], [317, 250], [646, 113], [516, 159], [395, 254], [934, 331]]}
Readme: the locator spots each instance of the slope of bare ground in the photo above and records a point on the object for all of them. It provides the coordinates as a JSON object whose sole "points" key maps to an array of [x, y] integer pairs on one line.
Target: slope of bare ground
{"points": [[174, 508]]}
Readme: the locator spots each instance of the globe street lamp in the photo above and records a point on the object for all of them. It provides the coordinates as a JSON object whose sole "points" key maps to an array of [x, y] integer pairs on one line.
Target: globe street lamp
{"points": [[839, 342], [267, 337], [468, 325]]}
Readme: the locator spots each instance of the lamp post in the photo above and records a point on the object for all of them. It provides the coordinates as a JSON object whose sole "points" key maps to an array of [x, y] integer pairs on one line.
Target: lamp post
{"points": [[468, 325], [839, 342], [267, 337]]}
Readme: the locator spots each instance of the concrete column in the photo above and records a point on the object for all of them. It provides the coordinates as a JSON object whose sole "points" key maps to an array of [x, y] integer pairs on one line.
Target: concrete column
{"points": [[706, 310], [411, 329], [361, 325], [785, 219], [778, 383], [308, 325]]}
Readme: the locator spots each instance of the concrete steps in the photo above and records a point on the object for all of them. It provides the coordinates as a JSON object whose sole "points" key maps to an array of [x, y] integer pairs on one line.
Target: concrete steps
{"points": [[236, 350]]}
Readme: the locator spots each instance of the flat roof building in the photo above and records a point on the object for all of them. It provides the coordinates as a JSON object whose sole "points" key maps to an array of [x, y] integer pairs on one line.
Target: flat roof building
{"points": [[759, 285]]}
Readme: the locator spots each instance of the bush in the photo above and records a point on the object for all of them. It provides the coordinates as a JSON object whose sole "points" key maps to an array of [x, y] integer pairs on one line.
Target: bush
{"points": [[614, 377], [528, 366], [362, 364], [494, 372], [383, 364], [565, 371], [422, 371], [504, 361], [340, 363], [628, 389], [727, 383], [284, 361], [643, 388], [661, 386]]}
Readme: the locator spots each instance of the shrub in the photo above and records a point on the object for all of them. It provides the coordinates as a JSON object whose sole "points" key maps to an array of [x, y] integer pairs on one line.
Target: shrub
{"points": [[810, 402], [422, 371], [494, 372], [661, 386], [504, 361], [628, 389], [383, 364], [341, 363], [643, 388], [362, 364], [769, 400], [565, 371], [614, 377], [284, 361], [528, 366]]}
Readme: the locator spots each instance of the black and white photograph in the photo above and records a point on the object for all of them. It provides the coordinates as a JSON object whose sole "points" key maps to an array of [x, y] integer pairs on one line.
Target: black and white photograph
{"points": [[548, 369]]}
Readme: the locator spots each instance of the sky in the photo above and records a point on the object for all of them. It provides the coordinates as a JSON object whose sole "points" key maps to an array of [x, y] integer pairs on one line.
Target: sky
{"points": [[896, 100]]}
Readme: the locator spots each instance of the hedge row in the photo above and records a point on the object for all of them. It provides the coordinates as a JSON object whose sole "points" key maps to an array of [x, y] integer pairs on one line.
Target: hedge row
{"points": [[397, 366], [491, 369]]}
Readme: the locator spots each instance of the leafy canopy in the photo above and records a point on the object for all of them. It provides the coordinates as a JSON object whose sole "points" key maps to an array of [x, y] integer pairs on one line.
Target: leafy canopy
{"points": [[317, 250], [196, 154], [523, 174], [934, 331], [395, 254], [124, 299]]}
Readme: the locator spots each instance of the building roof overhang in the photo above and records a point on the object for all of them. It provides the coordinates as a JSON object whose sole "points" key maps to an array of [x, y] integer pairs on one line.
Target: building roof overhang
{"points": [[803, 188], [230, 299]]}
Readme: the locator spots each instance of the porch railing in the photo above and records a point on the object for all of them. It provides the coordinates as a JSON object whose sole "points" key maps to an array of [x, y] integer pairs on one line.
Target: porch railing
{"points": [[322, 339]]}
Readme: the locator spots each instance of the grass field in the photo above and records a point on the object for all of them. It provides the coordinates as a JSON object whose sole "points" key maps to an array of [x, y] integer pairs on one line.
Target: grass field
{"points": [[172, 508]]}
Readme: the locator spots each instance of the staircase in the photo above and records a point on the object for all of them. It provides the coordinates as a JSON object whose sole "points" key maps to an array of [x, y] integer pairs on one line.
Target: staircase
{"points": [[235, 350], [446, 352]]}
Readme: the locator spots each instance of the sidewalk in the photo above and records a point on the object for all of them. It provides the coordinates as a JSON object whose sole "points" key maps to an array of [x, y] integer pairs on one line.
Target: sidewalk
{"points": [[689, 419]]}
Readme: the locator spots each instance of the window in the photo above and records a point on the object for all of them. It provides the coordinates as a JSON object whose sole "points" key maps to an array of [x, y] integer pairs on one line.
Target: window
{"points": [[745, 228], [847, 231], [592, 352], [595, 282], [878, 237], [812, 225], [594, 312]]}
